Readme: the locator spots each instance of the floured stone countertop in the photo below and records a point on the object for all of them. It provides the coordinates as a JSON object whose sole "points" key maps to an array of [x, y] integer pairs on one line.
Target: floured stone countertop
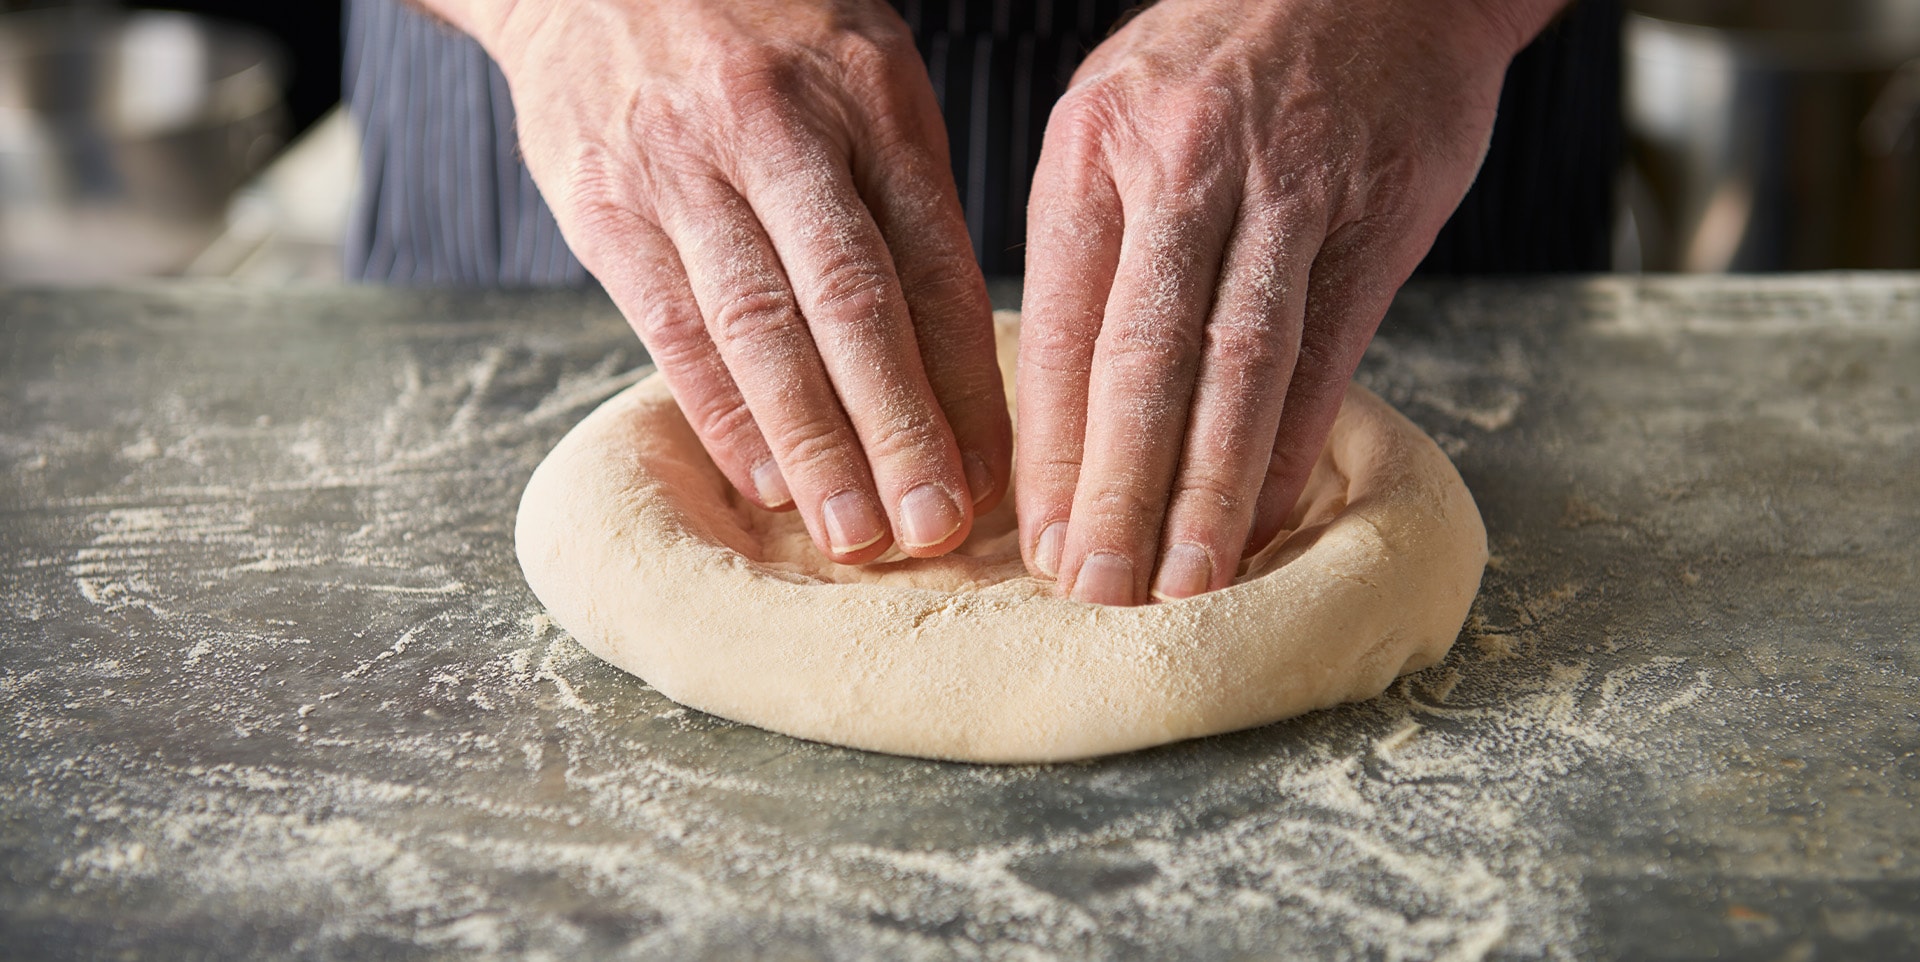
{"points": [[272, 684]]}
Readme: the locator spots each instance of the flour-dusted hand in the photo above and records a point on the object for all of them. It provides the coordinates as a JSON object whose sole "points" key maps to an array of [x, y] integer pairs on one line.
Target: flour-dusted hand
{"points": [[1228, 197], [763, 187]]}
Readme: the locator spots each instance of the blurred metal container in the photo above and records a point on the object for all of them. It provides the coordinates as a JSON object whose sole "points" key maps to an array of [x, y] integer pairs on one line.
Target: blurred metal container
{"points": [[1775, 134], [123, 135]]}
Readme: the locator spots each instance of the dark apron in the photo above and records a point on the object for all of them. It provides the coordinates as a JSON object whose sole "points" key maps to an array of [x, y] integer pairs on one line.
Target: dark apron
{"points": [[446, 201]]}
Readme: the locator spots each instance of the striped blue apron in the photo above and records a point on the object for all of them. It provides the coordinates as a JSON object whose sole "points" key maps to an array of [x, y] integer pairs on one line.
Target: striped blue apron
{"points": [[446, 201]]}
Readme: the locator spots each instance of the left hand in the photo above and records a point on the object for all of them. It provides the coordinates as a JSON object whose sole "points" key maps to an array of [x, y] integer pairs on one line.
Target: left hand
{"points": [[1228, 198]]}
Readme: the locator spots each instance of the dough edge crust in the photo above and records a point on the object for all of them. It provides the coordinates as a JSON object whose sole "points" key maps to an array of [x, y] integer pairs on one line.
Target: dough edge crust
{"points": [[627, 564]]}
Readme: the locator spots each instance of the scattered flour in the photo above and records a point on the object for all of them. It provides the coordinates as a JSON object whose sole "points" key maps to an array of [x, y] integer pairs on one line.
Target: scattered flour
{"points": [[314, 695]]}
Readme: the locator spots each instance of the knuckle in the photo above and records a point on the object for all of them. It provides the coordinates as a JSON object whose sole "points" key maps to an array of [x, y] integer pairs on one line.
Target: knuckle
{"points": [[1189, 180], [670, 326], [1396, 183], [726, 424], [1251, 345], [895, 148], [1289, 465], [676, 339], [1051, 474], [1151, 343], [1210, 499], [1086, 115], [595, 196], [1121, 507], [1322, 367], [917, 437], [853, 291], [877, 57], [758, 97], [1193, 152], [744, 68], [1057, 339], [1181, 227], [1205, 109], [754, 319], [813, 445], [591, 192]]}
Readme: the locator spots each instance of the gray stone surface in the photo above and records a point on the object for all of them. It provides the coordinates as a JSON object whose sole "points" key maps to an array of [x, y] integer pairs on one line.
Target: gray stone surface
{"points": [[272, 684]]}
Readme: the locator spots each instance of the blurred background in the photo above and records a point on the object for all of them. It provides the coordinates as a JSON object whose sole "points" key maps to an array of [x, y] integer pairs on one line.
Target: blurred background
{"points": [[200, 139], [204, 140]]}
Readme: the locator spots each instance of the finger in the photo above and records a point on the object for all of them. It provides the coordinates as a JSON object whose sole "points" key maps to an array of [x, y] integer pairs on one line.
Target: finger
{"points": [[843, 279], [1073, 248], [909, 190], [1252, 340], [1144, 366], [755, 324], [649, 283], [1348, 292]]}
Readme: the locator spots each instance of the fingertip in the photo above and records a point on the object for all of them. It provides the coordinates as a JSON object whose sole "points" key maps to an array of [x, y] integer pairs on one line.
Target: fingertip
{"points": [[770, 486], [1047, 549], [932, 521], [855, 530], [1186, 570], [1105, 578]]}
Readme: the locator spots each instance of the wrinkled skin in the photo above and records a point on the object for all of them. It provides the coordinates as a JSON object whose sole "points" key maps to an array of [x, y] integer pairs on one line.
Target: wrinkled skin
{"points": [[763, 188], [1228, 197], [1227, 200]]}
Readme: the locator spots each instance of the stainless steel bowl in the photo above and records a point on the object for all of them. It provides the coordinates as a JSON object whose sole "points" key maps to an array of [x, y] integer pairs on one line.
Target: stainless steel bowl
{"points": [[1775, 134], [123, 135]]}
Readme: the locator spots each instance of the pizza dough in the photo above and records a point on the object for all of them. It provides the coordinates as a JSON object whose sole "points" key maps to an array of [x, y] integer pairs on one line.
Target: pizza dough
{"points": [[640, 548]]}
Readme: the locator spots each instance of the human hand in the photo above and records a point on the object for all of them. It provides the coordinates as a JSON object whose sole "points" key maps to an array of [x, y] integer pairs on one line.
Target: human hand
{"points": [[1228, 197], [763, 188]]}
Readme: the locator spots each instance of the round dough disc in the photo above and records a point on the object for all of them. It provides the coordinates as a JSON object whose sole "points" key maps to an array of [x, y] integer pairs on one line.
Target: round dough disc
{"points": [[640, 548]]}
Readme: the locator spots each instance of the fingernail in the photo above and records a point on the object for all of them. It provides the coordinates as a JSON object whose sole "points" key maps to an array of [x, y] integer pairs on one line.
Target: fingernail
{"points": [[929, 516], [979, 478], [771, 485], [852, 522], [1046, 548], [1105, 579], [1185, 571]]}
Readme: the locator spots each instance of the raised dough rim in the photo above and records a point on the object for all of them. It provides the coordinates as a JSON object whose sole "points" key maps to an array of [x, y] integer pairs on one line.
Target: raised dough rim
{"points": [[820, 693]]}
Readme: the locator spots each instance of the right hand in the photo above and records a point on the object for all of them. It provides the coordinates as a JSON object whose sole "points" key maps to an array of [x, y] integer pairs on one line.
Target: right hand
{"points": [[763, 188]]}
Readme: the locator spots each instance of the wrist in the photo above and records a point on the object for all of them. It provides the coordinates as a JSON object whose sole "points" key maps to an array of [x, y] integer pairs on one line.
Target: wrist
{"points": [[1514, 23], [487, 21]]}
